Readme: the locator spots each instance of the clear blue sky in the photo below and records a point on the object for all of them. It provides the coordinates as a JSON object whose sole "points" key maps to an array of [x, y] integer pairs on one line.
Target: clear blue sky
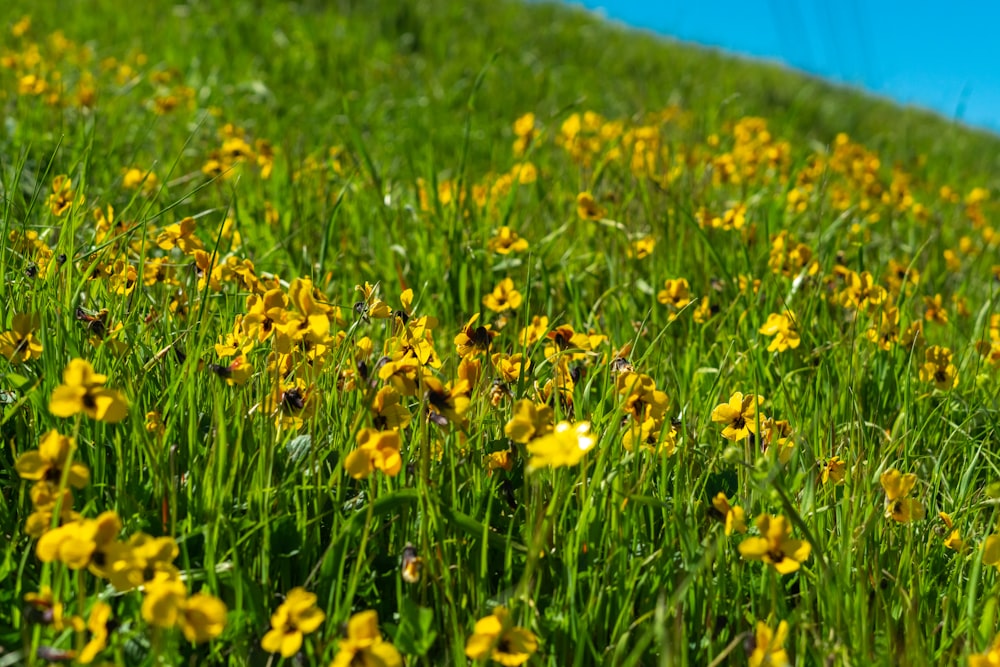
{"points": [[944, 56]]}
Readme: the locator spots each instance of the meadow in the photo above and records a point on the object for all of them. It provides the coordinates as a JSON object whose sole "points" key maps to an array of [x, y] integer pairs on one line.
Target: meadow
{"points": [[430, 332]]}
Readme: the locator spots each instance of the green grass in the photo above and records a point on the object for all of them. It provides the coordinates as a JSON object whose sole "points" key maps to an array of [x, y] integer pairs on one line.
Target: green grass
{"points": [[394, 164]]}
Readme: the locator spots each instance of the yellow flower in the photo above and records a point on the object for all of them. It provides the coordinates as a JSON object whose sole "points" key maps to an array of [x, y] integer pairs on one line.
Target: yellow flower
{"points": [[782, 327], [203, 618], [97, 625], [503, 297], [776, 547], [534, 332], [506, 241], [834, 469], [739, 416], [769, 646], [935, 310], [732, 515], [587, 208], [676, 294], [530, 420], [897, 487], [164, 600], [401, 374], [938, 368], [495, 638], [297, 616], [44, 497], [144, 559], [83, 391], [19, 344], [510, 366], [364, 646], [388, 412], [180, 235], [371, 306], [565, 446], [776, 435], [82, 543], [991, 550], [862, 292], [62, 195], [50, 459], [641, 248], [525, 131], [377, 450], [472, 340], [446, 403], [291, 403], [134, 178], [989, 659]]}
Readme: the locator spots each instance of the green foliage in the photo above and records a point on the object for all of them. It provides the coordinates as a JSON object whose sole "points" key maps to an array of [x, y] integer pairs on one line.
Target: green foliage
{"points": [[294, 236]]}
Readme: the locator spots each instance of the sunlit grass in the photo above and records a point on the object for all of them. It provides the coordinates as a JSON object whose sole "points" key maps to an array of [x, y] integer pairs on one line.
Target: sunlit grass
{"points": [[336, 334]]}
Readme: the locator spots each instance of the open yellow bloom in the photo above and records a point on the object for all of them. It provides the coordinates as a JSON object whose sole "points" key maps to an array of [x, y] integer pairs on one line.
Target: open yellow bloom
{"points": [[387, 410], [164, 601], [472, 340], [834, 469], [62, 196], [565, 446], [739, 415], [769, 646], [446, 403], [203, 618], [297, 616], [503, 297], [83, 543], [588, 208], [50, 459], [83, 391], [495, 638], [19, 344], [364, 646], [641, 248], [776, 547], [782, 327], [898, 506], [530, 420], [506, 241], [377, 450], [938, 368]]}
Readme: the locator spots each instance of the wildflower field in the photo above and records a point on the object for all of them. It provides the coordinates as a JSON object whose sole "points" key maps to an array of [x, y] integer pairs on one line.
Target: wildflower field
{"points": [[431, 332]]}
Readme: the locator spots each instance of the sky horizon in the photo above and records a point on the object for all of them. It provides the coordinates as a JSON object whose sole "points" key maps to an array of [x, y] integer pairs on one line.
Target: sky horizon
{"points": [[918, 53]]}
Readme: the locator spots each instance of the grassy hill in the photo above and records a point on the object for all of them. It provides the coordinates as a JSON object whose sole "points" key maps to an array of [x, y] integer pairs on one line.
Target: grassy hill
{"points": [[365, 331]]}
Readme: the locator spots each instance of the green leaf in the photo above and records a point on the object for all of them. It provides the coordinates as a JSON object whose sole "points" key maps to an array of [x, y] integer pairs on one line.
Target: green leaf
{"points": [[415, 633]]}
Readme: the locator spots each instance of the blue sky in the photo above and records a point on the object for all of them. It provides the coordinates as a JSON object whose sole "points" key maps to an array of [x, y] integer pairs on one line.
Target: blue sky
{"points": [[942, 56]]}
